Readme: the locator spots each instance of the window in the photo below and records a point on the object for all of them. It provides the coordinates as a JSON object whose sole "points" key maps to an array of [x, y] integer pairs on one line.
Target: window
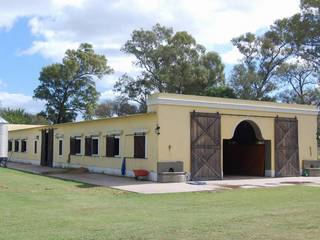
{"points": [[35, 147], [60, 147], [23, 145], [95, 146], [139, 146], [9, 146], [78, 146], [113, 146], [91, 146], [116, 148], [75, 146], [16, 145]]}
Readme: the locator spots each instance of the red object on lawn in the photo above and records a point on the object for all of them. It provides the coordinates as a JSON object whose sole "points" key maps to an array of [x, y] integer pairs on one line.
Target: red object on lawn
{"points": [[140, 173]]}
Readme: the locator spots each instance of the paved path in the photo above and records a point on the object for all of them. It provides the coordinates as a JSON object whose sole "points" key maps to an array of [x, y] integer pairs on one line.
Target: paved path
{"points": [[146, 187]]}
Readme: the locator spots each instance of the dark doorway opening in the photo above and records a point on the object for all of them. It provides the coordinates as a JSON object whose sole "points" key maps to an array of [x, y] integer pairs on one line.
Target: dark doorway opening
{"points": [[246, 153], [47, 147]]}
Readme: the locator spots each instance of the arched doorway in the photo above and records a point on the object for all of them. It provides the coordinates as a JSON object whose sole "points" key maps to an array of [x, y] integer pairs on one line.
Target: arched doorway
{"points": [[246, 153]]}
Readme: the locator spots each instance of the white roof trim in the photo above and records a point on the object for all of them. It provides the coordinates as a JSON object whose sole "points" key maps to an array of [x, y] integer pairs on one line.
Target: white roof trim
{"points": [[2, 121], [229, 105]]}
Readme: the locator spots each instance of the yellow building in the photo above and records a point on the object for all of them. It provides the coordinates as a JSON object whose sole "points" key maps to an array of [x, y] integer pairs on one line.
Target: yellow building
{"points": [[205, 137]]}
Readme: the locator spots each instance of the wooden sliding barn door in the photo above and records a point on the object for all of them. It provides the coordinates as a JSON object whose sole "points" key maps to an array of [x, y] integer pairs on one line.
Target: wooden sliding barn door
{"points": [[286, 147], [205, 146]]}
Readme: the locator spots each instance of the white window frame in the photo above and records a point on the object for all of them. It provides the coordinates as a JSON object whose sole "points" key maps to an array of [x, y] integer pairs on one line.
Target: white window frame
{"points": [[145, 146], [118, 137], [60, 155], [79, 154], [95, 155]]}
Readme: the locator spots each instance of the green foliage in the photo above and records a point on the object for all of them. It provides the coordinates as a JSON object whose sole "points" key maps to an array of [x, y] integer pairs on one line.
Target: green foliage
{"points": [[117, 107], [265, 67], [20, 116], [253, 78], [170, 62], [298, 81], [69, 87], [221, 91]]}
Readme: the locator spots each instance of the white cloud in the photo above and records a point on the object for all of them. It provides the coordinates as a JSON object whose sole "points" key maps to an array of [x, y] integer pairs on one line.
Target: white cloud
{"points": [[232, 56], [109, 24], [61, 24], [17, 100]]}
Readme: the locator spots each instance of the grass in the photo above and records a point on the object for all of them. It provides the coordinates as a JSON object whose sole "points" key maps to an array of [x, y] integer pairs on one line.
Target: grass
{"points": [[38, 207]]}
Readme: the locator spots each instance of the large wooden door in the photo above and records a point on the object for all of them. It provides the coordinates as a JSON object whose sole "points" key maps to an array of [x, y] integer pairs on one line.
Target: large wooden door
{"points": [[47, 138], [43, 161], [50, 147], [286, 147], [205, 146]]}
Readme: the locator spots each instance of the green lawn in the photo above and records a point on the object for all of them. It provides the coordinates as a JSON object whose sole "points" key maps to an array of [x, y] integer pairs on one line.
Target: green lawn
{"points": [[37, 207]]}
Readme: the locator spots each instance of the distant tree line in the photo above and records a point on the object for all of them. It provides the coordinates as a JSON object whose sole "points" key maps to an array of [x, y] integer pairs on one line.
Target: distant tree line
{"points": [[20, 116], [281, 64]]}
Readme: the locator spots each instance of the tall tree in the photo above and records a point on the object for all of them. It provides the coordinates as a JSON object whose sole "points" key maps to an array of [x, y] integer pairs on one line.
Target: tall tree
{"points": [[20, 116], [136, 89], [298, 81], [116, 107], [253, 78], [69, 87], [170, 62]]}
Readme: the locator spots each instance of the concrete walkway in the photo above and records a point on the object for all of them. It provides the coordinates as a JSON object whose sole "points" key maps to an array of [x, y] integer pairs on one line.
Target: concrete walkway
{"points": [[146, 187]]}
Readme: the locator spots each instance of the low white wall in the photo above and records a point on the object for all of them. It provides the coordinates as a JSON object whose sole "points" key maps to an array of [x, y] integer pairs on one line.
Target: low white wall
{"points": [[110, 171]]}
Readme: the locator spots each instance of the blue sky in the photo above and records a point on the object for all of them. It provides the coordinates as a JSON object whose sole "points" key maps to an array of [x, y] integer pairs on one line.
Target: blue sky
{"points": [[35, 33]]}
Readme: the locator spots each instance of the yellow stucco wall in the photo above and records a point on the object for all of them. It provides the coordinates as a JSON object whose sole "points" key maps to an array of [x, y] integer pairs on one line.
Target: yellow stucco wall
{"points": [[30, 135], [174, 120], [126, 125], [173, 143]]}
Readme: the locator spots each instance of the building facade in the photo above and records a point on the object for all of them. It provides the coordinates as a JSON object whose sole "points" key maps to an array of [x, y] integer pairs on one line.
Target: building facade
{"points": [[206, 137]]}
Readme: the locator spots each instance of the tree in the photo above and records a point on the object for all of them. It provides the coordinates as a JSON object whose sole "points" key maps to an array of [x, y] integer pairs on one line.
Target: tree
{"points": [[117, 107], [69, 87], [253, 78], [221, 91], [104, 109], [20, 116], [301, 79], [170, 62], [136, 89], [123, 107], [302, 31]]}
